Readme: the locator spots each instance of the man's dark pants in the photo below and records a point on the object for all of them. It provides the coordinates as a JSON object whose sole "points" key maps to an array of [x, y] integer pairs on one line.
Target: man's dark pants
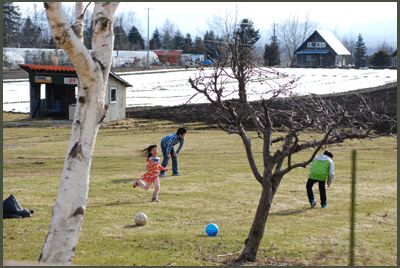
{"points": [[165, 160], [322, 192]]}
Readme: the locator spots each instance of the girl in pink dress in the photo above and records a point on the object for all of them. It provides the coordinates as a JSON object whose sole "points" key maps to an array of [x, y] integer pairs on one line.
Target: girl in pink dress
{"points": [[153, 170]]}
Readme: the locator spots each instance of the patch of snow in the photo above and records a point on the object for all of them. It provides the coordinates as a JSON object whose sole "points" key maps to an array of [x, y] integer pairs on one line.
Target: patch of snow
{"points": [[171, 87]]}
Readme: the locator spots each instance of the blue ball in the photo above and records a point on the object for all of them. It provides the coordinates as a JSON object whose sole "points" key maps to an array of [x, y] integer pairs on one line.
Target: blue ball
{"points": [[211, 229]]}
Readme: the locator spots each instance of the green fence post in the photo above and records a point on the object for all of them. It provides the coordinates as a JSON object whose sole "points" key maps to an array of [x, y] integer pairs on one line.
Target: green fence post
{"points": [[353, 207]]}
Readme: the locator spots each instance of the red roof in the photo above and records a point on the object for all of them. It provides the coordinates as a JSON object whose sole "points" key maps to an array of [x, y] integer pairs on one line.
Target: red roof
{"points": [[162, 52], [49, 68], [62, 69]]}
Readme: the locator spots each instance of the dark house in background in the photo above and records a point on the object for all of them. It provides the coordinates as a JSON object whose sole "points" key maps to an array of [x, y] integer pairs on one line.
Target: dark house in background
{"points": [[394, 58], [53, 92], [321, 49]]}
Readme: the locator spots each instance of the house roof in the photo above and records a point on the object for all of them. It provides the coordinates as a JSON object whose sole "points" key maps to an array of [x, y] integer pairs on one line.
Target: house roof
{"points": [[166, 52], [62, 69], [333, 42], [47, 68]]}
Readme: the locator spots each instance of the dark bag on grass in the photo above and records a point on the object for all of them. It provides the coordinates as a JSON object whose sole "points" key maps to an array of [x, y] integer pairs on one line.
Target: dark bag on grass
{"points": [[12, 209]]}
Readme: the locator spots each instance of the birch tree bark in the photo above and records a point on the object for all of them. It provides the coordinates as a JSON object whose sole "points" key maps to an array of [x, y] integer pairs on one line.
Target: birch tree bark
{"points": [[92, 70]]}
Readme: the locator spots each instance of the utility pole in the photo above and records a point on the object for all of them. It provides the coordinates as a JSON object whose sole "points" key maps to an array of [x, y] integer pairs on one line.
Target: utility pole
{"points": [[148, 41], [274, 35], [274, 31], [353, 208]]}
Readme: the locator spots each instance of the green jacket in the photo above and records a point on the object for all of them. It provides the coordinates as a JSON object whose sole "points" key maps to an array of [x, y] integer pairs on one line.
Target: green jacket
{"points": [[322, 169]]}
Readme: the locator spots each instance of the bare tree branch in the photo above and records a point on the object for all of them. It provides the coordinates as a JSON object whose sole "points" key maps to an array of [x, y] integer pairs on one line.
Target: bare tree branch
{"points": [[336, 118]]}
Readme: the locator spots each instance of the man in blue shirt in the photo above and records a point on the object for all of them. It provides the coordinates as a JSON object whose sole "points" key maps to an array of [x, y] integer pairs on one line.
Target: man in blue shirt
{"points": [[167, 147]]}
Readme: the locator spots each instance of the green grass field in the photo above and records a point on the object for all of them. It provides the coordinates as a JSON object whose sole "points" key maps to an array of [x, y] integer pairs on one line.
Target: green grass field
{"points": [[216, 186]]}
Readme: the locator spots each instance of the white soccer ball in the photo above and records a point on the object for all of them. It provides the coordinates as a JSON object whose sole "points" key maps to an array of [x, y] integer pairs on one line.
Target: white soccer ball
{"points": [[140, 219]]}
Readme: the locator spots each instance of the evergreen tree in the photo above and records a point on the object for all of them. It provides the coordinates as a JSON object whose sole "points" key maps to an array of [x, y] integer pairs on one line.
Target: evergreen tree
{"points": [[121, 39], [135, 39], [11, 24], [272, 55], [167, 41], [380, 58], [198, 46], [210, 45], [245, 37], [271, 52], [51, 43], [187, 44], [28, 34], [155, 41], [247, 34], [38, 28], [360, 53], [178, 40]]}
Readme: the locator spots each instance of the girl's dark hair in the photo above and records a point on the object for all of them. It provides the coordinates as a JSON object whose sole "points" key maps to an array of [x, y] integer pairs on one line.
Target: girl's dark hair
{"points": [[147, 151], [181, 131]]}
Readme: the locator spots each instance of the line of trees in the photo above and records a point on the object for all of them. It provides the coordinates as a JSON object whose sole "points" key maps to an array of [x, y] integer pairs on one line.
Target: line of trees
{"points": [[32, 30], [358, 50]]}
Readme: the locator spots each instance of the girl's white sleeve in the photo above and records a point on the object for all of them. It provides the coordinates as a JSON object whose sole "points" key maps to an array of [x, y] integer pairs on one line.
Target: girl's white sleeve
{"points": [[331, 171]]}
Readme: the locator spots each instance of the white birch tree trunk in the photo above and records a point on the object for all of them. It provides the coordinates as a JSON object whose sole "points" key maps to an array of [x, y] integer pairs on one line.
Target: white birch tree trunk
{"points": [[92, 70]]}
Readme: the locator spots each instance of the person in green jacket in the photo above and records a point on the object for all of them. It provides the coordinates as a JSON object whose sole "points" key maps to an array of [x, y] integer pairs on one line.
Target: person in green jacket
{"points": [[322, 170]]}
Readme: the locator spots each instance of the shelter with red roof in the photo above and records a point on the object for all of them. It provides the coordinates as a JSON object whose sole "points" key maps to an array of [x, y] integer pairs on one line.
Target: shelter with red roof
{"points": [[53, 91]]}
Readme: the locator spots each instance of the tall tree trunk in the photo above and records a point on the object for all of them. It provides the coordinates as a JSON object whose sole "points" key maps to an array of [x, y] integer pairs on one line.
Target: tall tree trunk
{"points": [[256, 233], [92, 70]]}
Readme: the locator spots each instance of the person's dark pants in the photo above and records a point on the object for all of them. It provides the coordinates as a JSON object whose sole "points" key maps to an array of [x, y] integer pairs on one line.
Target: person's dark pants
{"points": [[165, 160], [322, 192]]}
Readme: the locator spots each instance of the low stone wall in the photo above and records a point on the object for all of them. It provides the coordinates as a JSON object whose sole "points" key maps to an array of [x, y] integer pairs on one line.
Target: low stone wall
{"points": [[386, 95]]}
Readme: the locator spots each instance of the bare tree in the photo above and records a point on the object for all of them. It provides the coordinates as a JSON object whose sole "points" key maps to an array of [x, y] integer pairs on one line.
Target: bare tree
{"points": [[167, 32], [291, 116], [349, 41], [92, 70], [386, 47], [223, 25], [292, 32], [127, 19]]}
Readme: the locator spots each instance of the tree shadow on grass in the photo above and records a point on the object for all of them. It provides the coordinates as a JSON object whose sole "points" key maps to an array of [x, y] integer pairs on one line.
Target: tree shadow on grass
{"points": [[119, 203], [288, 212]]}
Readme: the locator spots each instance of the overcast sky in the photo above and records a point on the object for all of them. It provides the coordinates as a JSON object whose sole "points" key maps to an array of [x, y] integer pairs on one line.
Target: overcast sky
{"points": [[376, 21]]}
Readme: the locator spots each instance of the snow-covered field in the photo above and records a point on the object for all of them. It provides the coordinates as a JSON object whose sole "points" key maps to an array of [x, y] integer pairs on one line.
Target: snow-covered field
{"points": [[169, 88]]}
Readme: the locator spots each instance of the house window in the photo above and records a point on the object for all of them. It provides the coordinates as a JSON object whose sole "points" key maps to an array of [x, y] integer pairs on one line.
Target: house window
{"points": [[113, 94], [316, 44], [308, 58]]}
